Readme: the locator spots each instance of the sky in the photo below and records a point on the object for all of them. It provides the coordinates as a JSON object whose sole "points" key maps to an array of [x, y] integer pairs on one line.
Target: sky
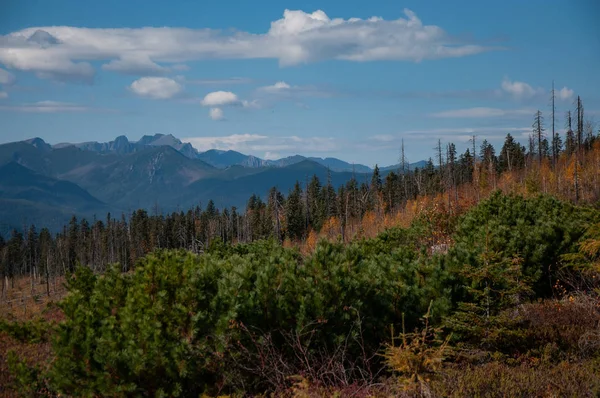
{"points": [[345, 79]]}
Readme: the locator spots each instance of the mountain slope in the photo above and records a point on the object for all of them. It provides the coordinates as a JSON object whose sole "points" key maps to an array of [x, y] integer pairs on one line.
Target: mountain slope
{"points": [[235, 192], [144, 178], [156, 170], [339, 165], [224, 159], [411, 166], [168, 140], [26, 154], [29, 196]]}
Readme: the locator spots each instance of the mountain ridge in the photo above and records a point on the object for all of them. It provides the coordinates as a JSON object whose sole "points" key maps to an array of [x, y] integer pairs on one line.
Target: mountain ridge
{"points": [[216, 157], [122, 176]]}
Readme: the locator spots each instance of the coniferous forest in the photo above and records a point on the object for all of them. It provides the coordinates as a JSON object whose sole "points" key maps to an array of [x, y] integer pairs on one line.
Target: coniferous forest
{"points": [[476, 275]]}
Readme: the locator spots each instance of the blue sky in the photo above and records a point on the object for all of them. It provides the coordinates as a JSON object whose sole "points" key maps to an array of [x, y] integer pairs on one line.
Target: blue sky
{"points": [[328, 78]]}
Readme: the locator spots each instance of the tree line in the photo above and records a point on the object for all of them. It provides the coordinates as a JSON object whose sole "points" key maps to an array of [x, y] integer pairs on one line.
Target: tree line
{"points": [[312, 205]]}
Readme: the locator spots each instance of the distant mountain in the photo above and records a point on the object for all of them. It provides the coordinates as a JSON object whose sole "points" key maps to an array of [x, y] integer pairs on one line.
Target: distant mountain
{"points": [[412, 166], [169, 140], [236, 192], [284, 162], [144, 178], [122, 145], [27, 196], [214, 157], [253, 162], [39, 144], [339, 165], [19, 182], [224, 159], [48, 184]]}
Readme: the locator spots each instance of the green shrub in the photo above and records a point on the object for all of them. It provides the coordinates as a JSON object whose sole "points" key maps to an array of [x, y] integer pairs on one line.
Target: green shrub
{"points": [[174, 325]]}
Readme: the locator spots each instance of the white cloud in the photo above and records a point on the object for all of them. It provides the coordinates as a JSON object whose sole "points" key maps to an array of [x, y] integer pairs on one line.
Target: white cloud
{"points": [[277, 87], [271, 155], [520, 90], [254, 104], [565, 93], [6, 77], [283, 91], [156, 87], [3, 94], [225, 142], [259, 144], [64, 52], [217, 99], [216, 114], [135, 64], [220, 98], [481, 112], [51, 107]]}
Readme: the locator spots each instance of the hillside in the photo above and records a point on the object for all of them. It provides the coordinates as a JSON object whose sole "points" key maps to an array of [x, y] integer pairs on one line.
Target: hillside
{"points": [[143, 179], [29, 197], [235, 192], [161, 171]]}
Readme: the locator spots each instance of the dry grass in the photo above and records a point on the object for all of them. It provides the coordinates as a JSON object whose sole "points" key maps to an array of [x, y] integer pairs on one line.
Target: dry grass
{"points": [[23, 301]]}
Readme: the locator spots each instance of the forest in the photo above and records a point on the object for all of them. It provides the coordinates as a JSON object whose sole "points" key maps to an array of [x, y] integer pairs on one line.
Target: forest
{"points": [[476, 275]]}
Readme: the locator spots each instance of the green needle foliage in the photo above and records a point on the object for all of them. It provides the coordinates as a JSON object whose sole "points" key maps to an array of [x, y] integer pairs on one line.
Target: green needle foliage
{"points": [[249, 317]]}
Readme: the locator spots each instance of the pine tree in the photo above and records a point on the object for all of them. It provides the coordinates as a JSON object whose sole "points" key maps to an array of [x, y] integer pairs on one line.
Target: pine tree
{"points": [[512, 155], [570, 143], [295, 214], [316, 206], [538, 130], [391, 191]]}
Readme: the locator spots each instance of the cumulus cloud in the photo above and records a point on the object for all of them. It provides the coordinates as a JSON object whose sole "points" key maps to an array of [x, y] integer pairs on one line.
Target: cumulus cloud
{"points": [[220, 98], [216, 114], [260, 144], [565, 93], [51, 107], [482, 112], [520, 90], [63, 52], [155, 87]]}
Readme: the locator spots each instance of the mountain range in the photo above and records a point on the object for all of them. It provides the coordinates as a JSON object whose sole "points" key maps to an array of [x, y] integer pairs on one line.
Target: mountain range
{"points": [[47, 184]]}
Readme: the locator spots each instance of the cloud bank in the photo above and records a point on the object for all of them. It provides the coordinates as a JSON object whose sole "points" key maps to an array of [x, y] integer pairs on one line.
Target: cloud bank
{"points": [[253, 143], [65, 52], [51, 107]]}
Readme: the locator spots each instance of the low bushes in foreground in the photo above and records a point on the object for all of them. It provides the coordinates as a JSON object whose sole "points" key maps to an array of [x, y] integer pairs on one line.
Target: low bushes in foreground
{"points": [[260, 318]]}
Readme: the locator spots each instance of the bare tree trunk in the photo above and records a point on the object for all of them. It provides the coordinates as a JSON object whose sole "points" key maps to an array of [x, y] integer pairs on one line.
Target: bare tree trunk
{"points": [[47, 275]]}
